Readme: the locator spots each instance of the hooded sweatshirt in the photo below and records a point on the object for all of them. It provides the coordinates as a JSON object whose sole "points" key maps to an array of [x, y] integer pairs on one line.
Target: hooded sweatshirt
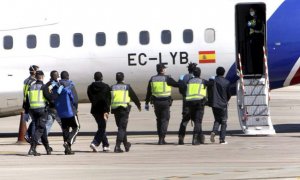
{"points": [[99, 95]]}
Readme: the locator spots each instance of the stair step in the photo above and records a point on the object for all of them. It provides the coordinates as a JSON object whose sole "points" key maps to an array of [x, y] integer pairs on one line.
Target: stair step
{"points": [[257, 110], [257, 121], [255, 100], [260, 81], [255, 90]]}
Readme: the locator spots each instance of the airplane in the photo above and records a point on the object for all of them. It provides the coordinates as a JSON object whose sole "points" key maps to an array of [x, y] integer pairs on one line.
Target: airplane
{"points": [[133, 36]]}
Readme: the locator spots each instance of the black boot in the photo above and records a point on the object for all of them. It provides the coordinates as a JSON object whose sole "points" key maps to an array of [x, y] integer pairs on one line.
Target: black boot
{"points": [[48, 149], [163, 140], [32, 150], [118, 147], [196, 140], [127, 146], [68, 150], [160, 140], [181, 140], [202, 139]]}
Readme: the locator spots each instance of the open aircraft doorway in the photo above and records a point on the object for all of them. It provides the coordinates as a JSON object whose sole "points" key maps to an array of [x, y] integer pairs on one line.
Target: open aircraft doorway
{"points": [[252, 68]]}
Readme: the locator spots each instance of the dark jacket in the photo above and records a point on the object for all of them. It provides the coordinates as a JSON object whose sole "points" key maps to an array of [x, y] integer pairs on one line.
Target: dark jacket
{"points": [[170, 82], [218, 92], [49, 93], [183, 80], [99, 95]]}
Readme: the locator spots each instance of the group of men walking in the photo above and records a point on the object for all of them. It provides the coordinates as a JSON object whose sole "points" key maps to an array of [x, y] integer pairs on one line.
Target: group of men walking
{"points": [[58, 100]]}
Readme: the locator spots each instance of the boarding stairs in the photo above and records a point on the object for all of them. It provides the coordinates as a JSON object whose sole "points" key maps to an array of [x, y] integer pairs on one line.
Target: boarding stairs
{"points": [[253, 102]]}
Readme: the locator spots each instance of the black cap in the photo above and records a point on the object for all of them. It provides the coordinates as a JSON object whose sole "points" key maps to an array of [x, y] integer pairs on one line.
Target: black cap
{"points": [[33, 68], [159, 67], [39, 73]]}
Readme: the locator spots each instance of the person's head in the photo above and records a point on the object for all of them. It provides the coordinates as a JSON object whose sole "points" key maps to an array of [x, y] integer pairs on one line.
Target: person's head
{"points": [[191, 67], [64, 75], [119, 77], [220, 71], [33, 69], [160, 68], [39, 75], [54, 75], [252, 11], [197, 72], [98, 76]]}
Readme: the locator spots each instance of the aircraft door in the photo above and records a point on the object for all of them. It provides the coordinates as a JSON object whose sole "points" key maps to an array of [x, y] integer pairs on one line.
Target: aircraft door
{"points": [[250, 38]]}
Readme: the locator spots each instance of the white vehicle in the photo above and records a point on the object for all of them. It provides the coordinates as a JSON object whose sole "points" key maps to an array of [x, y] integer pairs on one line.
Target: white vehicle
{"points": [[133, 36]]}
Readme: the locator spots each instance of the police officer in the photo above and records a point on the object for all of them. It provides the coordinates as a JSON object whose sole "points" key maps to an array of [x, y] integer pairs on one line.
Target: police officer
{"points": [[27, 83], [121, 94], [159, 93], [195, 99], [37, 103], [186, 115], [99, 95], [219, 88]]}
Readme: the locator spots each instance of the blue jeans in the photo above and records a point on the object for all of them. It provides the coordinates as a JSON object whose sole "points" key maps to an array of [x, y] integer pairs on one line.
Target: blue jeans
{"points": [[52, 115]]}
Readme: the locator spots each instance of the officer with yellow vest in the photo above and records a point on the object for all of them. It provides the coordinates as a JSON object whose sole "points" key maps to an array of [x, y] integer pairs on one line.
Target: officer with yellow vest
{"points": [[27, 83], [159, 93], [196, 97], [121, 95], [36, 103]]}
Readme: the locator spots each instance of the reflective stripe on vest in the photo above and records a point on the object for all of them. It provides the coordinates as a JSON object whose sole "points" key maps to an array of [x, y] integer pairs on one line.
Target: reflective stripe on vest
{"points": [[119, 96], [159, 87], [36, 97], [196, 90]]}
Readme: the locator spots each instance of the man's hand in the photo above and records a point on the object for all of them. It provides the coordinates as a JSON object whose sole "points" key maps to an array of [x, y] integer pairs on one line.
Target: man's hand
{"points": [[105, 116]]}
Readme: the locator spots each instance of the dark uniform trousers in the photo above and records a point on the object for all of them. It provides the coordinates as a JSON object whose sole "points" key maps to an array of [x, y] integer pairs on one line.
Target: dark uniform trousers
{"points": [[100, 135], [197, 112], [39, 116], [186, 116], [121, 116], [68, 123], [162, 112], [221, 116]]}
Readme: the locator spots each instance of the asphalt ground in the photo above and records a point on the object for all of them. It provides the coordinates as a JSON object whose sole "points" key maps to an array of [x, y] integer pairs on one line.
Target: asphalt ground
{"points": [[244, 157]]}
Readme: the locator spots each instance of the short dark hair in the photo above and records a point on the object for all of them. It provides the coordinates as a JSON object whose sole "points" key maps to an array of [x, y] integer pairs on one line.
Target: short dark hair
{"points": [[119, 76], [98, 76], [64, 75], [33, 69], [54, 74], [39, 75], [197, 72], [220, 71], [191, 67]]}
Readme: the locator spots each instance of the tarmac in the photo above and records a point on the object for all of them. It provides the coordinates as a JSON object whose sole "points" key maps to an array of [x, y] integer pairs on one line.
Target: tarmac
{"points": [[244, 157]]}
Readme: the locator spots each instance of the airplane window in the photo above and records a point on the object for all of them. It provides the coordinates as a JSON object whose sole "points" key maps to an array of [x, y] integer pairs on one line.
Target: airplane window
{"points": [[166, 37], [209, 35], [100, 39], [78, 39], [8, 42], [122, 38], [144, 37], [188, 36], [54, 40], [31, 41]]}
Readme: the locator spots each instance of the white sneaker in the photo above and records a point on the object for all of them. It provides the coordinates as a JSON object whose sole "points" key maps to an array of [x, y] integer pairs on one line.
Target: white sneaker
{"points": [[93, 147], [224, 142], [105, 149], [212, 137]]}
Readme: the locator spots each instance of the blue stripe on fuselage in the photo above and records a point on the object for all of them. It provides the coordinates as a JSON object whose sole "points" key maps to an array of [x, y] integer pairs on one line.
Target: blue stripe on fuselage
{"points": [[282, 28]]}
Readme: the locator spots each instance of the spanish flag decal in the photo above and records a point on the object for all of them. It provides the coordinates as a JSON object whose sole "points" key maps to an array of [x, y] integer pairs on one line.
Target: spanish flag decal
{"points": [[207, 57]]}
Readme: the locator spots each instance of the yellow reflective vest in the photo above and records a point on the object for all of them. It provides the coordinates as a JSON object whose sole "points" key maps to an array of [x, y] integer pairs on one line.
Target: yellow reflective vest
{"points": [[196, 90], [159, 86], [119, 96], [36, 97], [27, 83]]}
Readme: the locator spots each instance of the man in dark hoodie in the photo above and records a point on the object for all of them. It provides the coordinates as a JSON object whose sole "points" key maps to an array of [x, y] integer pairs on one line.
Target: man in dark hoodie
{"points": [[66, 105], [99, 95]]}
